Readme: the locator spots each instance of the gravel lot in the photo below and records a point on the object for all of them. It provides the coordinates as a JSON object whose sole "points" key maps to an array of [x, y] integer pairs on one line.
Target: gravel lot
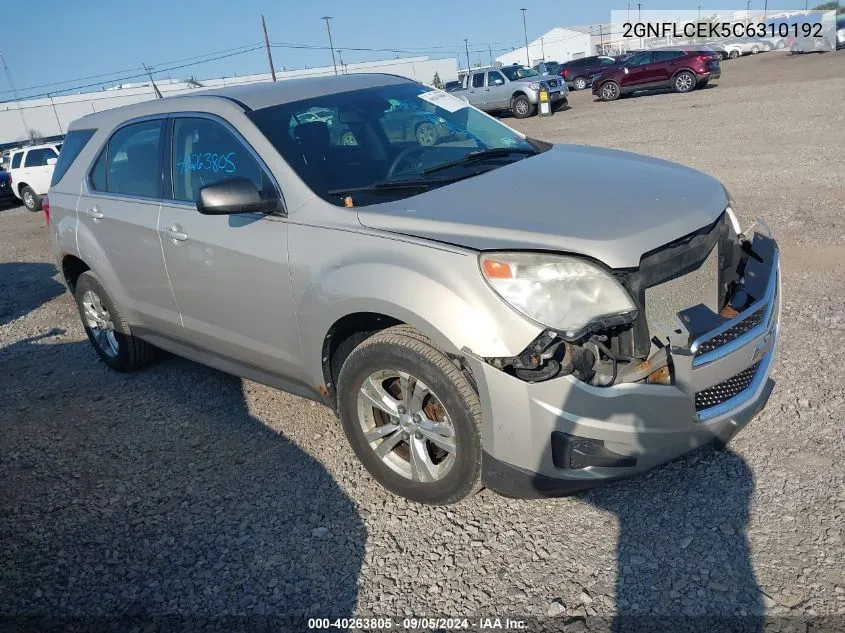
{"points": [[181, 490]]}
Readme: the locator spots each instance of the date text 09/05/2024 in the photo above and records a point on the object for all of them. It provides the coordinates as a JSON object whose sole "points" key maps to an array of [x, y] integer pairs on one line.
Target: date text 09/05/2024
{"points": [[715, 30], [457, 624]]}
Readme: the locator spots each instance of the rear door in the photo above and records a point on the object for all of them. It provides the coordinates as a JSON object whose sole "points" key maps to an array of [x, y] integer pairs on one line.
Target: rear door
{"points": [[665, 65], [229, 273], [476, 90], [118, 218]]}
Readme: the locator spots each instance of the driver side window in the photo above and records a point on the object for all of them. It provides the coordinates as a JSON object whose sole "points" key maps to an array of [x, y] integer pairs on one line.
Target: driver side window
{"points": [[640, 60], [495, 79], [206, 153]]}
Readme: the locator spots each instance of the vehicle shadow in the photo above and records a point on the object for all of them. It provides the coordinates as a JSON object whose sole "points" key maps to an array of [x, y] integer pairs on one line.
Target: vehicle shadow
{"points": [[683, 560], [157, 500], [25, 286], [660, 91]]}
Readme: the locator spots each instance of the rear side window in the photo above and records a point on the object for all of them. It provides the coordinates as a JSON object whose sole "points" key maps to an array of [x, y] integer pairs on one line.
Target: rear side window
{"points": [[73, 144], [478, 80], [38, 157], [16, 160], [130, 164], [206, 153]]}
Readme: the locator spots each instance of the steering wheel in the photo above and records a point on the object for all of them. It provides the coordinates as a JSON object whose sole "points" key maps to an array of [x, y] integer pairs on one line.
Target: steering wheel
{"points": [[403, 156]]}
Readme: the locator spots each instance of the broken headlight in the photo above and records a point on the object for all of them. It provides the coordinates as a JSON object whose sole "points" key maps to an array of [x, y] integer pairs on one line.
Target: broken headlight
{"points": [[567, 294]]}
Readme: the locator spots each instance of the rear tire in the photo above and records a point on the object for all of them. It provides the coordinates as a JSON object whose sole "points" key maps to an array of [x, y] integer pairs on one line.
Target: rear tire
{"points": [[755, 49], [31, 200], [733, 54], [684, 81], [579, 83], [609, 91], [106, 327], [410, 377], [521, 107]]}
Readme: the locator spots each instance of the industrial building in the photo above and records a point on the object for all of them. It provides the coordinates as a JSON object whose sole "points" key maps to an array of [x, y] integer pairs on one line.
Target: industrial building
{"points": [[49, 117], [559, 44]]}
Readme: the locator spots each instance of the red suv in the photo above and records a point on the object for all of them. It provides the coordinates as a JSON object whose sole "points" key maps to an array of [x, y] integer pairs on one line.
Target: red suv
{"points": [[679, 69]]}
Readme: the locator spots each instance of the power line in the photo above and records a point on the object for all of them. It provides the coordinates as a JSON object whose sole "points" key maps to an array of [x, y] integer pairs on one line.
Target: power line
{"points": [[237, 49]]}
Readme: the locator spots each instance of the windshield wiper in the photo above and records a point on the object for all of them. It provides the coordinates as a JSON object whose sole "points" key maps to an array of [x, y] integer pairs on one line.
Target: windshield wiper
{"points": [[386, 185], [480, 156]]}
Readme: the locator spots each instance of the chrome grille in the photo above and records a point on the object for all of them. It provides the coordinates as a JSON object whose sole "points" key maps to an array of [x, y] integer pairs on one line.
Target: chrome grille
{"points": [[732, 333], [724, 391]]}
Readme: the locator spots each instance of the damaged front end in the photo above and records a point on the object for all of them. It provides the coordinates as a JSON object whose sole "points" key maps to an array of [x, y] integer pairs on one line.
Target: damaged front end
{"points": [[696, 299]]}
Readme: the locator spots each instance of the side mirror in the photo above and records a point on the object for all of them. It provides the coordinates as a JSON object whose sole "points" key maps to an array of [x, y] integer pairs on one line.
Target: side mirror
{"points": [[237, 195], [625, 68], [52, 161]]}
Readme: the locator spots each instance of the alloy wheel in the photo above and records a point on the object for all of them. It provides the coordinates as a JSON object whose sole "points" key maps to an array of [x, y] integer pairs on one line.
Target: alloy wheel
{"points": [[683, 82], [580, 83], [426, 134], [521, 106], [28, 199], [406, 425], [100, 322], [608, 91]]}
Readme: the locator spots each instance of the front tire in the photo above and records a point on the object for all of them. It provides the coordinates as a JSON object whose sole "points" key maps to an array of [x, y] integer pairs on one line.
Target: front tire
{"points": [[609, 91], [31, 200], [411, 417], [755, 50], [106, 327], [733, 54], [580, 83], [521, 107], [426, 134], [684, 81]]}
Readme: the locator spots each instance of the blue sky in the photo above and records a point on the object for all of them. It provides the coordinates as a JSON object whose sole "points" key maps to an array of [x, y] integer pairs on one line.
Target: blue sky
{"points": [[61, 40]]}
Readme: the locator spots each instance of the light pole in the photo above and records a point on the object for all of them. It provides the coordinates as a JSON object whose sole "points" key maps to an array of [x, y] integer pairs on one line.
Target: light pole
{"points": [[525, 31], [55, 113], [466, 48], [331, 46], [15, 95], [748, 12], [543, 49]]}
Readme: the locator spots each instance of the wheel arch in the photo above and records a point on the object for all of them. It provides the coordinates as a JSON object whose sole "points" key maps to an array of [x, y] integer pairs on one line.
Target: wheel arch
{"points": [[72, 268], [20, 187]]}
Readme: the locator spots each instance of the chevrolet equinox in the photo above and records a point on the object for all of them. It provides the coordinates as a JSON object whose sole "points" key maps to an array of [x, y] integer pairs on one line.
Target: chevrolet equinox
{"points": [[467, 327]]}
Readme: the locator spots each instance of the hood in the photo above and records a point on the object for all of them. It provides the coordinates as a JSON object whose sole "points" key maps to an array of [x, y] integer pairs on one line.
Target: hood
{"points": [[611, 205]]}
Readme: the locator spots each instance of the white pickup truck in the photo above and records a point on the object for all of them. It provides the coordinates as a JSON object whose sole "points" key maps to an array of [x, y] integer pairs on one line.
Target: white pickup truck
{"points": [[514, 88], [31, 169]]}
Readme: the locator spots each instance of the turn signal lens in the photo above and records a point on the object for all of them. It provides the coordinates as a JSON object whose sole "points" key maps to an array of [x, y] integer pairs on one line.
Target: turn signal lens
{"points": [[496, 270]]}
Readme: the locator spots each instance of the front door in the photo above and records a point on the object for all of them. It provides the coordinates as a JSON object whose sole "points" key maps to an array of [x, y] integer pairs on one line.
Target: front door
{"points": [[638, 70], [497, 93], [37, 168], [118, 232], [229, 273]]}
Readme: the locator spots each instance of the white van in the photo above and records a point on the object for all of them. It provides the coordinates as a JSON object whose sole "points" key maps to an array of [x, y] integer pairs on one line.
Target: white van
{"points": [[31, 169]]}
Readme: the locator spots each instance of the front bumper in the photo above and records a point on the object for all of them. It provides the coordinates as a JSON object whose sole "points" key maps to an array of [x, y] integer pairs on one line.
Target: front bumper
{"points": [[721, 381]]}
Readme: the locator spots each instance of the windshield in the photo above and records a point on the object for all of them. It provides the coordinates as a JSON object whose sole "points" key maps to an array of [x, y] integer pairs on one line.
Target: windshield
{"points": [[392, 134], [518, 72]]}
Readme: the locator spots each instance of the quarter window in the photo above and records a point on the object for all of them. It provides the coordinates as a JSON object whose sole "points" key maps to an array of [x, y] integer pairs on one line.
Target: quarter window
{"points": [[130, 164], [206, 153], [16, 160]]}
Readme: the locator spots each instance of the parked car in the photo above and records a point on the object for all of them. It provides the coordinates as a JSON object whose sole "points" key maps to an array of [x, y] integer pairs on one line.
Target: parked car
{"points": [[577, 73], [719, 49], [451, 86], [773, 43], [840, 32], [464, 334], [547, 68], [678, 69], [731, 50], [6, 196], [31, 169], [746, 46], [514, 88]]}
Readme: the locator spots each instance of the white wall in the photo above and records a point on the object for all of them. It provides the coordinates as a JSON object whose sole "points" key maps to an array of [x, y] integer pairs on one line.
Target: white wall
{"points": [[559, 45], [41, 115]]}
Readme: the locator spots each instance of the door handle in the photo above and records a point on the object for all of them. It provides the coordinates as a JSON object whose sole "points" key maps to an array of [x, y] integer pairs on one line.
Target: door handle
{"points": [[175, 233], [95, 213]]}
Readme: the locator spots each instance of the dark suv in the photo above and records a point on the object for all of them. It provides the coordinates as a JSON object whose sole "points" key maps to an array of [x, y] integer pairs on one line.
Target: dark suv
{"points": [[577, 73], [680, 70]]}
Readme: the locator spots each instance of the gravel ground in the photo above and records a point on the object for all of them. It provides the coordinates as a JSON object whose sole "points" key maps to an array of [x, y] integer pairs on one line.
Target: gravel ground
{"points": [[181, 490]]}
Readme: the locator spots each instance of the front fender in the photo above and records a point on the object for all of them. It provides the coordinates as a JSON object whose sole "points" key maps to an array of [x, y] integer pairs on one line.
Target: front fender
{"points": [[437, 290]]}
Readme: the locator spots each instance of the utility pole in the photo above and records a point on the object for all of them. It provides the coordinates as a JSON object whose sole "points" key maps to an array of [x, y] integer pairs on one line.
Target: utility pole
{"points": [[61, 131], [15, 95], [601, 38], [748, 13], [466, 48], [543, 49], [267, 46], [331, 46], [340, 61], [629, 13], [639, 12], [765, 9], [525, 31], [490, 50], [153, 82]]}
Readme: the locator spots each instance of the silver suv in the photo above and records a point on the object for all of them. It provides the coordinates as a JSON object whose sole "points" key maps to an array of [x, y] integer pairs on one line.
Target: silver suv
{"points": [[464, 335]]}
